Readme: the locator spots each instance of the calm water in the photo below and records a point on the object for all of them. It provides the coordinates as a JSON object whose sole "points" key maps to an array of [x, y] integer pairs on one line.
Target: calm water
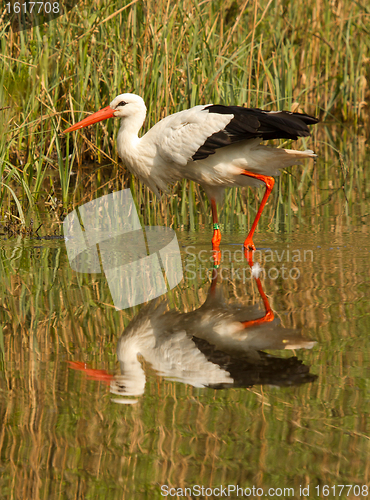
{"points": [[198, 387]]}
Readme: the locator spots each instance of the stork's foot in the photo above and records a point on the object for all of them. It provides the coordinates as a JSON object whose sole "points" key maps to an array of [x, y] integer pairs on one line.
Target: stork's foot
{"points": [[216, 255], [216, 239], [249, 249], [248, 254], [249, 245]]}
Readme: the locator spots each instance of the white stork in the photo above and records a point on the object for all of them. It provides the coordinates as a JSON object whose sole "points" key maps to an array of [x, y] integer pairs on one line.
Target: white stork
{"points": [[214, 145], [217, 345]]}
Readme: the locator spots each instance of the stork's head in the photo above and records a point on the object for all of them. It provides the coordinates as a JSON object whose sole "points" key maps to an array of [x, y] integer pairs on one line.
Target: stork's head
{"points": [[127, 105], [122, 106]]}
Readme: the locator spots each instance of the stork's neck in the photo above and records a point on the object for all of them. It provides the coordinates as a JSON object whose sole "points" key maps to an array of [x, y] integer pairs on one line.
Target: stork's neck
{"points": [[128, 133], [138, 154], [133, 374]]}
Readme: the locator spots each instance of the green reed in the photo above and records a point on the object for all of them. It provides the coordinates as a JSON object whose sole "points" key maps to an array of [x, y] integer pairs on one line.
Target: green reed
{"points": [[174, 55]]}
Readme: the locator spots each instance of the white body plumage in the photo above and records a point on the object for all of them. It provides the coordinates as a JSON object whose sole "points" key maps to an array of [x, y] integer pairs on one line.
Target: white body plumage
{"points": [[164, 154]]}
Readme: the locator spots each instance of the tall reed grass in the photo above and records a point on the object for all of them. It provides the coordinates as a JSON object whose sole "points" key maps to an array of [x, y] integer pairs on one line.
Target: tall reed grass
{"points": [[265, 54]]}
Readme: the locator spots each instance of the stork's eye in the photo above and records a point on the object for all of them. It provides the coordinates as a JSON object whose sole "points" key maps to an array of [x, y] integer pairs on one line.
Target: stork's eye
{"points": [[122, 103]]}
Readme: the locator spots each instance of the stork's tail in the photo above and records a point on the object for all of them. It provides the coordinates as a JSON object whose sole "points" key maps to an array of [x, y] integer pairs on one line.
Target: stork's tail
{"points": [[308, 153]]}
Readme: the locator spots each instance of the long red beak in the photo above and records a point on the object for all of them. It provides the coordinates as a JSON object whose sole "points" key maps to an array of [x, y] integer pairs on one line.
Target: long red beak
{"points": [[99, 116]]}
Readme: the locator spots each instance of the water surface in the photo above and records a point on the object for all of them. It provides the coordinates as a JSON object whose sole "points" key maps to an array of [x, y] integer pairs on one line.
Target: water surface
{"points": [[100, 403]]}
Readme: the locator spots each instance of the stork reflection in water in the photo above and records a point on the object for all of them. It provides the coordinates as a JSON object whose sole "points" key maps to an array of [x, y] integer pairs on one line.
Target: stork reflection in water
{"points": [[218, 345]]}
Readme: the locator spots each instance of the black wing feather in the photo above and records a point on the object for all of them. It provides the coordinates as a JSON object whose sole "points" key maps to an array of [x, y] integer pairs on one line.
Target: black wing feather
{"points": [[250, 123]]}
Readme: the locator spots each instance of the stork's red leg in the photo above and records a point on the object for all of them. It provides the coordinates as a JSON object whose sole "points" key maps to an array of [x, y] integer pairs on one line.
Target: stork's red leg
{"points": [[269, 181], [269, 315], [216, 230], [216, 239]]}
